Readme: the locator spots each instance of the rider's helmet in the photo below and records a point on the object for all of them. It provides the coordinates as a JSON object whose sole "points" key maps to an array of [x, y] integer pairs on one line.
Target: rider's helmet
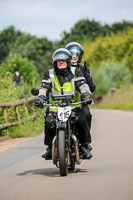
{"points": [[61, 54], [76, 49], [17, 74]]}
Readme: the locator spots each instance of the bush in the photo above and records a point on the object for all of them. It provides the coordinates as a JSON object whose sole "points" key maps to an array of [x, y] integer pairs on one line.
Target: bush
{"points": [[9, 91], [109, 74], [26, 68], [118, 74], [102, 82]]}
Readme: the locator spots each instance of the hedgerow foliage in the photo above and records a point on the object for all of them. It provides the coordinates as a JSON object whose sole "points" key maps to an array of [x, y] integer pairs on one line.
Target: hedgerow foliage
{"points": [[111, 48], [10, 93], [110, 60]]}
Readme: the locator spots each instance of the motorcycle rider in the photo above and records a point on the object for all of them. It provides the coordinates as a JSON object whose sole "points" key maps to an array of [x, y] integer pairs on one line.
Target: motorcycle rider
{"points": [[77, 52], [17, 80], [63, 79]]}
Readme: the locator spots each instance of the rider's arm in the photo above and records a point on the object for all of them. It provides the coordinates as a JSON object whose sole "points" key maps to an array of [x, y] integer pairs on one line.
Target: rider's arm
{"points": [[89, 80], [46, 85], [80, 82]]}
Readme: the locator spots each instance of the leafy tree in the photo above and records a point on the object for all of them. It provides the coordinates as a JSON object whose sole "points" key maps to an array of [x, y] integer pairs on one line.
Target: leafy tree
{"points": [[106, 30], [121, 26], [44, 63], [36, 49], [20, 44], [88, 30], [32, 47], [7, 39], [82, 29]]}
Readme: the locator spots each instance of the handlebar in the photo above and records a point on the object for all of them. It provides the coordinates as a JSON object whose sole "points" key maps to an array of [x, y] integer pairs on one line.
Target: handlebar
{"points": [[71, 104], [64, 104]]}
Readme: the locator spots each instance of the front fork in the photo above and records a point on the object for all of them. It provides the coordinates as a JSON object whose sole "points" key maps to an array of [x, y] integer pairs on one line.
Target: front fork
{"points": [[66, 127]]}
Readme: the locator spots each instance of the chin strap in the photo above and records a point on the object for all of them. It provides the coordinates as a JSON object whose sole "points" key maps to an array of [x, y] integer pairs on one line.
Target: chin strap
{"points": [[74, 64]]}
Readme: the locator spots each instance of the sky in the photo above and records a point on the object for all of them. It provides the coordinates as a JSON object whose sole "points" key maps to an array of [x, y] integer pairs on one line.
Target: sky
{"points": [[49, 18]]}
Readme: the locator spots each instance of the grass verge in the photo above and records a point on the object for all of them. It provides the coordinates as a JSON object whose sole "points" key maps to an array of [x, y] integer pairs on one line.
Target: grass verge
{"points": [[122, 99], [28, 129]]}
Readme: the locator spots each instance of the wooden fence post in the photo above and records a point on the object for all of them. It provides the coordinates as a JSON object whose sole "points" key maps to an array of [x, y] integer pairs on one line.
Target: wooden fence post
{"points": [[26, 109], [17, 113], [4, 114], [15, 105]]}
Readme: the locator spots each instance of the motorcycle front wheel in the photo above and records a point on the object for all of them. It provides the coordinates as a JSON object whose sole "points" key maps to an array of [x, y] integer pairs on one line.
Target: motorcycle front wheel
{"points": [[62, 153]]}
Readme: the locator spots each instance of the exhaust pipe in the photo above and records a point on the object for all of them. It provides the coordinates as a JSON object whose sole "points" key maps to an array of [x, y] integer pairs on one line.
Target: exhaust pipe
{"points": [[53, 151], [76, 148]]}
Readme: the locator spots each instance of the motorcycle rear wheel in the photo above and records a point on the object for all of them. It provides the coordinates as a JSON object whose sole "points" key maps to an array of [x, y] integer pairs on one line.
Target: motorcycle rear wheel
{"points": [[62, 153]]}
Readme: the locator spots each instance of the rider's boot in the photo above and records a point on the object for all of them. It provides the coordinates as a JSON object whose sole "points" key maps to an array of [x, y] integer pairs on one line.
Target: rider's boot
{"points": [[89, 147], [48, 154], [86, 152]]}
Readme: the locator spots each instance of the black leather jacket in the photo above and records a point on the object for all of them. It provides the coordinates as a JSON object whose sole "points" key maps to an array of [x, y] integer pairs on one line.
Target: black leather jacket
{"points": [[88, 77]]}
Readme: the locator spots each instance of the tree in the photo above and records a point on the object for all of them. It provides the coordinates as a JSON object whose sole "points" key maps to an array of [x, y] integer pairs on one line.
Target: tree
{"points": [[20, 43], [88, 30], [121, 26], [44, 63], [83, 29], [7, 39]]}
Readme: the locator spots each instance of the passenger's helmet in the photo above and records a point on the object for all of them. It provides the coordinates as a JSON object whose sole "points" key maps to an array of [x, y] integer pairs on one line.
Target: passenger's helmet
{"points": [[61, 54], [76, 49]]}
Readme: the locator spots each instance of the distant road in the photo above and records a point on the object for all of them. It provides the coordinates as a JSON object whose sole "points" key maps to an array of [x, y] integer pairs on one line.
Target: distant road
{"points": [[107, 176]]}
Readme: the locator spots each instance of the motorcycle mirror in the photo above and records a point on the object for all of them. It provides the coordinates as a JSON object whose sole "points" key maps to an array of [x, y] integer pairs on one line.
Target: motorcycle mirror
{"points": [[35, 91]]}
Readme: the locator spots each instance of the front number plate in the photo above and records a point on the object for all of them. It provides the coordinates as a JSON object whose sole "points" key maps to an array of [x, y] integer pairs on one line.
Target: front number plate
{"points": [[64, 113]]}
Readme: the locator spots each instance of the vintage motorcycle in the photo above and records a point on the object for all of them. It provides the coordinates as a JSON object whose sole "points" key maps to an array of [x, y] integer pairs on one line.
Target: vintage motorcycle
{"points": [[65, 146]]}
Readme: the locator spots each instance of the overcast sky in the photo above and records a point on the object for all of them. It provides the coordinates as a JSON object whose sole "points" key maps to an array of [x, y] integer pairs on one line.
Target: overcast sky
{"points": [[49, 18]]}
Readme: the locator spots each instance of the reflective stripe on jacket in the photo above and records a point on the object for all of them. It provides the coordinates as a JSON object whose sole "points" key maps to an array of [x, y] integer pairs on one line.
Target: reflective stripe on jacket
{"points": [[68, 88]]}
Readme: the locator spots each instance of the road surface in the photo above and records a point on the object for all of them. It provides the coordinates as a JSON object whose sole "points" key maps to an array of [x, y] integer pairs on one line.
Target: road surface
{"points": [[107, 176]]}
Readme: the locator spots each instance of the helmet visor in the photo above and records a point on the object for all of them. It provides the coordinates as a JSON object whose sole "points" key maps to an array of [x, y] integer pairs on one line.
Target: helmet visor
{"points": [[75, 51], [60, 57], [75, 54]]}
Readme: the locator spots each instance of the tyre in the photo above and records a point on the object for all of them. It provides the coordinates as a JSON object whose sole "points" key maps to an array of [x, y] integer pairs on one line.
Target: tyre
{"points": [[62, 153]]}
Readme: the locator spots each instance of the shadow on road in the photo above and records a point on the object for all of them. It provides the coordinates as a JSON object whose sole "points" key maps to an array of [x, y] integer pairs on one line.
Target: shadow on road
{"points": [[50, 172]]}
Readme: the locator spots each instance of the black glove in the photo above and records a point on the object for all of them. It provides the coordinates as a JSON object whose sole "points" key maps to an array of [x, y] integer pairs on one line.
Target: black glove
{"points": [[86, 97], [40, 100]]}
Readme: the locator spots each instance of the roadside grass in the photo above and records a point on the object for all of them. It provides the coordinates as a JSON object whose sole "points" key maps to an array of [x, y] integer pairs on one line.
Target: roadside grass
{"points": [[28, 129], [122, 99]]}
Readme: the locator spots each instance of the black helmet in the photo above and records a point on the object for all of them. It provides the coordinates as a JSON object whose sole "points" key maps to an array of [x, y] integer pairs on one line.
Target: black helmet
{"points": [[75, 48], [61, 54]]}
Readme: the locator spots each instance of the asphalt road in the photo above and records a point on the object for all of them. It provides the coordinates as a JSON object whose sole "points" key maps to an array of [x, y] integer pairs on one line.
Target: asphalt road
{"points": [[24, 175]]}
